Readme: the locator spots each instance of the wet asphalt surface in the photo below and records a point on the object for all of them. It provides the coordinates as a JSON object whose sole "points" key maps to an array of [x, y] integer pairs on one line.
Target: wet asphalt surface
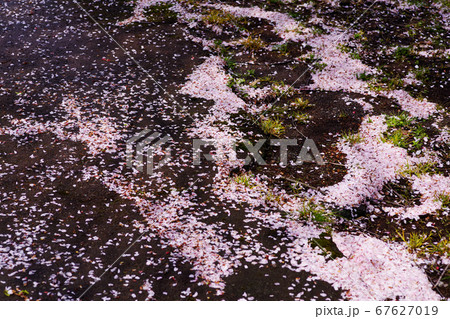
{"points": [[59, 233]]}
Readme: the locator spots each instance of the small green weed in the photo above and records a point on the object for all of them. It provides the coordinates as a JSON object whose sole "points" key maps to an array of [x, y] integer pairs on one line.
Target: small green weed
{"points": [[422, 74], [399, 138], [301, 104], [235, 82], [19, 293], [160, 13], [441, 248], [301, 118], [405, 132], [360, 35], [319, 66], [221, 18], [352, 138], [401, 53], [282, 48], [271, 197], [315, 213], [279, 89], [229, 62], [364, 76], [402, 120], [244, 179], [418, 169], [415, 241], [445, 199], [253, 44], [273, 127]]}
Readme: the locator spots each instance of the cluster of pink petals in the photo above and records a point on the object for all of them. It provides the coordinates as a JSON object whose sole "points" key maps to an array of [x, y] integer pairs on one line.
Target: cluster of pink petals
{"points": [[420, 109], [141, 5], [371, 269], [400, 5], [21, 256], [434, 53], [207, 44], [197, 242], [430, 187], [138, 14], [98, 132], [148, 287], [370, 165], [285, 26], [209, 81], [258, 93], [365, 105], [410, 79], [341, 70], [445, 13], [444, 136], [20, 127]]}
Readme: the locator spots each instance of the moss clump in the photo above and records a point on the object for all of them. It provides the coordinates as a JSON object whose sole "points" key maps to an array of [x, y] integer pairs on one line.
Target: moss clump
{"points": [[161, 13], [221, 18]]}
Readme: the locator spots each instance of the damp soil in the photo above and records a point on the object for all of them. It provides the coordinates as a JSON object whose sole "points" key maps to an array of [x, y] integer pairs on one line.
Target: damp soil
{"points": [[79, 227], [87, 226]]}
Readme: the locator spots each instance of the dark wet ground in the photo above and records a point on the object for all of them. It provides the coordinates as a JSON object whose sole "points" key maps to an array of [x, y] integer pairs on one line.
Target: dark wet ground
{"points": [[60, 233]]}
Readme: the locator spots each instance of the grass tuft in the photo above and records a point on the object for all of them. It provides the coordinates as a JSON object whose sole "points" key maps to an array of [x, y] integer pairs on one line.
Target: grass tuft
{"points": [[401, 53], [315, 213], [404, 132], [161, 13], [301, 104], [418, 169], [301, 118], [253, 44], [221, 18], [273, 127], [352, 139], [398, 121], [415, 241], [244, 179]]}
